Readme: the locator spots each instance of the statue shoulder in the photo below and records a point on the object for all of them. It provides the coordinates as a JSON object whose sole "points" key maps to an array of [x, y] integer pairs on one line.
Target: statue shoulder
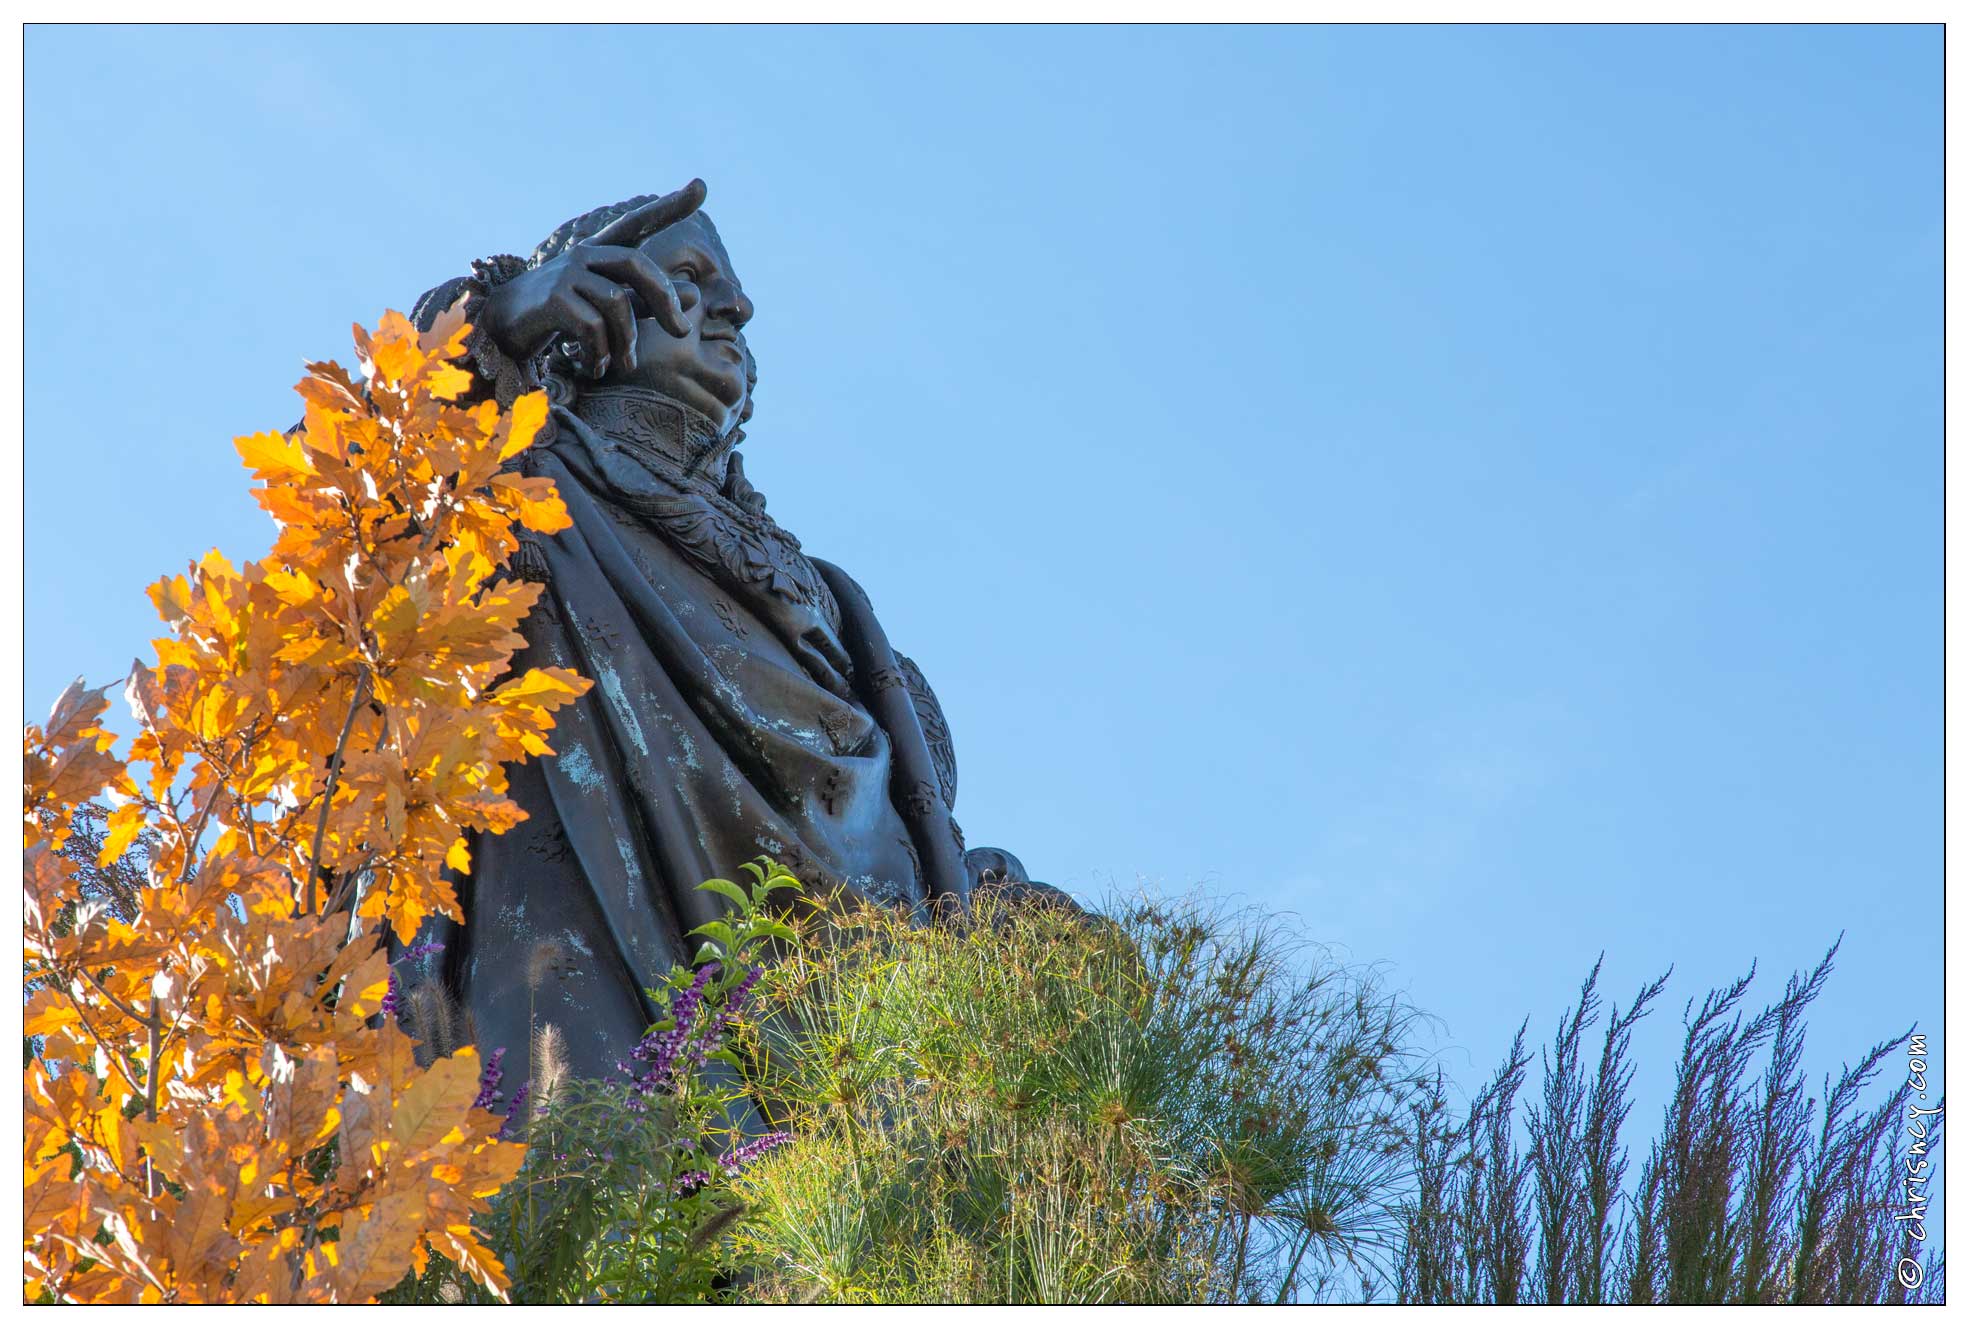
{"points": [[936, 729], [843, 586]]}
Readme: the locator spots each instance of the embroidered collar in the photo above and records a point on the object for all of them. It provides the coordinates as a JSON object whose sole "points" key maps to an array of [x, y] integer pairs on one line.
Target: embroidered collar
{"points": [[653, 423]]}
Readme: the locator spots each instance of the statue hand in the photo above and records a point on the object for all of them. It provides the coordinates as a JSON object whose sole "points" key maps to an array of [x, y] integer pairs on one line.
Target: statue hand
{"points": [[991, 866], [994, 872], [593, 291]]}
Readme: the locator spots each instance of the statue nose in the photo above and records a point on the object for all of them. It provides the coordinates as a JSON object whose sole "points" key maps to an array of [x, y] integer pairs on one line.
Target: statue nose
{"points": [[732, 303]]}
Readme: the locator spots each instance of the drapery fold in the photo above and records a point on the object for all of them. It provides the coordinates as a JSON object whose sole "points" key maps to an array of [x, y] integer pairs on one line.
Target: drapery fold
{"points": [[746, 703]]}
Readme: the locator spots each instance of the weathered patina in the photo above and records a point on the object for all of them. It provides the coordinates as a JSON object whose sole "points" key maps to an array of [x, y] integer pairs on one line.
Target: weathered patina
{"points": [[746, 699]]}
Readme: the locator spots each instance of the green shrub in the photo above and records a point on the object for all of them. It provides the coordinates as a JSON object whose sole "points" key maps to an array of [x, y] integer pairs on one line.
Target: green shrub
{"points": [[1169, 1104]]}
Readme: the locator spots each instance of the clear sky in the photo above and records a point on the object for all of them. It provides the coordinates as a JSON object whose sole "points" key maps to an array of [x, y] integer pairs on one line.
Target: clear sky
{"points": [[1479, 489]]}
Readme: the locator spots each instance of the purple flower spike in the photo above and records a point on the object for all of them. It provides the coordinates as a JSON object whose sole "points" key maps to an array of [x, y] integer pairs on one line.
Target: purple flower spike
{"points": [[700, 1049], [418, 952], [734, 1160], [515, 1111], [668, 1054], [489, 1079], [391, 998]]}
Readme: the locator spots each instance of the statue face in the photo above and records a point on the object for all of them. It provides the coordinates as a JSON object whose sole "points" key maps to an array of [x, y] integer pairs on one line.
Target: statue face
{"points": [[705, 370]]}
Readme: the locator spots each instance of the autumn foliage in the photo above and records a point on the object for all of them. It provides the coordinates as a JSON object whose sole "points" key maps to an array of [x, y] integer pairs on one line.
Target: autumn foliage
{"points": [[216, 1112]]}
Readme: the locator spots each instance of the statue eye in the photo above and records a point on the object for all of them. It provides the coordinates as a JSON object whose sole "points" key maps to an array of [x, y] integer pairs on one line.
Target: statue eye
{"points": [[684, 272]]}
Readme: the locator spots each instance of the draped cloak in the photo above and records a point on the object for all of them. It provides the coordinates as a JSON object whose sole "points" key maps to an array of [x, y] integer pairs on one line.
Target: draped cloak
{"points": [[745, 703]]}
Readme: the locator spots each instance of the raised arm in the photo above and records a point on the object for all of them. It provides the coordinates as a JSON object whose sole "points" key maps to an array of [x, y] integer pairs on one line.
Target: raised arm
{"points": [[578, 308]]}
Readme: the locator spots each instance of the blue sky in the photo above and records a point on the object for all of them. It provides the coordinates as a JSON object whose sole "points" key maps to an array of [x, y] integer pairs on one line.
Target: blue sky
{"points": [[1478, 488]]}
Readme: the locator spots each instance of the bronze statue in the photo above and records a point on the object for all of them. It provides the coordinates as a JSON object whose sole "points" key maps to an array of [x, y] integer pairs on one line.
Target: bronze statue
{"points": [[746, 701]]}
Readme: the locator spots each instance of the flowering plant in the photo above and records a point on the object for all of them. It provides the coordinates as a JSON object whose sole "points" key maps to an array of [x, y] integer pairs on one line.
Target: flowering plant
{"points": [[625, 1196]]}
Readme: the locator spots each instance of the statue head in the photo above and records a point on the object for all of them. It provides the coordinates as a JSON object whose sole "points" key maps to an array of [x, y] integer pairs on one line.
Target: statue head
{"points": [[711, 370]]}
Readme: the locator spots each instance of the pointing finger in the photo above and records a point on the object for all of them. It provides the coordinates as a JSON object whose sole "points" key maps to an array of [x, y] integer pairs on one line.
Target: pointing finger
{"points": [[632, 228]]}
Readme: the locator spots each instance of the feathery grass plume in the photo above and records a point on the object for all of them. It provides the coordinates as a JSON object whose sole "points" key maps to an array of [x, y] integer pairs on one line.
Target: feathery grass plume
{"points": [[1698, 1149], [546, 959], [1558, 1147], [1605, 1161], [1425, 1272], [1576, 1160], [716, 1225], [1779, 1134], [1846, 1253], [1468, 1226], [549, 1067], [430, 1016], [1497, 1202], [1735, 1202]]}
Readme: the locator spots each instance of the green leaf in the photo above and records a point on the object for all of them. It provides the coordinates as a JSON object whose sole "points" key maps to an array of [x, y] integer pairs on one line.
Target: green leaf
{"points": [[719, 931], [729, 889]]}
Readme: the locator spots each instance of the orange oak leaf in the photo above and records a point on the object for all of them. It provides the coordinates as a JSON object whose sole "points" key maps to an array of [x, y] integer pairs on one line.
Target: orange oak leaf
{"points": [[213, 1112]]}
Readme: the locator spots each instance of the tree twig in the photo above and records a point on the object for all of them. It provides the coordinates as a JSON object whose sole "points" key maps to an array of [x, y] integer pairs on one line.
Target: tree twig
{"points": [[109, 1049], [130, 1014], [334, 774], [350, 887], [150, 1063], [198, 829]]}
